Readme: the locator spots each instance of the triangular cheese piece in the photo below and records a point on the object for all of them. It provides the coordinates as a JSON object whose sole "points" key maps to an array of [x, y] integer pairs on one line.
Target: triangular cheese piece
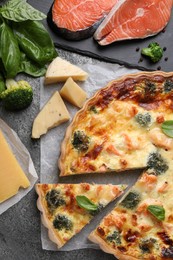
{"points": [[61, 70], [141, 225], [120, 126], [12, 176], [51, 115], [62, 206]]}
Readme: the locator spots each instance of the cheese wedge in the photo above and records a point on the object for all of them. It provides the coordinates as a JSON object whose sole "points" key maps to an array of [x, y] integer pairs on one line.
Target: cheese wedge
{"points": [[73, 93], [61, 70], [52, 114], [12, 176]]}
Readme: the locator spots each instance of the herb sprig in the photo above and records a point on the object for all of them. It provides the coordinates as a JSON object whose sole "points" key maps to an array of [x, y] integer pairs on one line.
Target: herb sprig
{"points": [[167, 128]]}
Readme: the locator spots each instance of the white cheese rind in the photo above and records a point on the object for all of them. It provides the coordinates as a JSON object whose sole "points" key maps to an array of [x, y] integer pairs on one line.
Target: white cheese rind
{"points": [[52, 114], [73, 93], [60, 70]]}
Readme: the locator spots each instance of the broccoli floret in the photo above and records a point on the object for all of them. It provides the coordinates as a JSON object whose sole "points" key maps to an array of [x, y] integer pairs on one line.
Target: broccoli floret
{"points": [[62, 222], [153, 51], [80, 141], [114, 237], [157, 163], [168, 86], [146, 245], [131, 200], [95, 212], [143, 120], [93, 109], [17, 96], [150, 87], [54, 199]]}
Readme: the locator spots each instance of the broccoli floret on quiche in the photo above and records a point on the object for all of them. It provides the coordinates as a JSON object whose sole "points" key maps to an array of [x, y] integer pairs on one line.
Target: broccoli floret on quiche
{"points": [[80, 141], [150, 87], [54, 199], [131, 200], [168, 86], [146, 245], [157, 163], [114, 237], [93, 109], [95, 212], [62, 222], [143, 120]]}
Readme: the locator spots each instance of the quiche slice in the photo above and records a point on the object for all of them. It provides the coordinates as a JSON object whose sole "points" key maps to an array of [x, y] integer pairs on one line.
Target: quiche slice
{"points": [[141, 225], [120, 126], [67, 208]]}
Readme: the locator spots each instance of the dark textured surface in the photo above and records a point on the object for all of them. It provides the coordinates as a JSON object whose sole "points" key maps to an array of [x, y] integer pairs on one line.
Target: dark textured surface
{"points": [[123, 52], [20, 237]]}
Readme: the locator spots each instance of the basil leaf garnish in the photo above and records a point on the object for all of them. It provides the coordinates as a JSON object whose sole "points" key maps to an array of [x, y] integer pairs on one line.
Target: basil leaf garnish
{"points": [[20, 10], [157, 211], [167, 128], [10, 52], [35, 41], [85, 203]]}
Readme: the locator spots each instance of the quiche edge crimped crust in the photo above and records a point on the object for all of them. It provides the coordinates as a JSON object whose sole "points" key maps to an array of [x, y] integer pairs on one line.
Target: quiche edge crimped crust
{"points": [[42, 206], [94, 98], [54, 238], [107, 249]]}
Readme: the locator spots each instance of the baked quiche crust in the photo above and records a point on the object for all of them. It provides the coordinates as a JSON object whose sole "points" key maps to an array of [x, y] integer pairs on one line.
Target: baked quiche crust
{"points": [[60, 212], [119, 94]]}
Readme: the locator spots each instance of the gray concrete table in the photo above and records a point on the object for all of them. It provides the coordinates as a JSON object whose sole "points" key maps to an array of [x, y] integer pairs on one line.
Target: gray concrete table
{"points": [[20, 237]]}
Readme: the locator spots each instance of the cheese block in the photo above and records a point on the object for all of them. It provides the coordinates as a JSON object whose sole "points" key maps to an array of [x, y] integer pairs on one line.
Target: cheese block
{"points": [[60, 70], [12, 176], [73, 93], [52, 114]]}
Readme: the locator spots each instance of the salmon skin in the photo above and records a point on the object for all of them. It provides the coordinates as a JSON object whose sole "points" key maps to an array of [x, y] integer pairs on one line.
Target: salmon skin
{"points": [[134, 19], [78, 19]]}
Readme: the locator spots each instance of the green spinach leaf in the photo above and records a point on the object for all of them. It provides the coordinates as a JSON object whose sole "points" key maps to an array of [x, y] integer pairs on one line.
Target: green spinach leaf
{"points": [[35, 41], [10, 53], [157, 211], [31, 68], [20, 10], [167, 128], [2, 83], [85, 203]]}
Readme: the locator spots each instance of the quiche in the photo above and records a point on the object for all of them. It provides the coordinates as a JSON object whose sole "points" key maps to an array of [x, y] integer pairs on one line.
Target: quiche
{"points": [[67, 208], [119, 128], [141, 225]]}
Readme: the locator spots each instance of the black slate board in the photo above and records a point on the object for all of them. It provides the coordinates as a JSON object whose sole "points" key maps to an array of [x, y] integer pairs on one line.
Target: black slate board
{"points": [[123, 53]]}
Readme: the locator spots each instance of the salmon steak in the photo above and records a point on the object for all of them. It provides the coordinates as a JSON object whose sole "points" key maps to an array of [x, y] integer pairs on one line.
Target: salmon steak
{"points": [[134, 19], [78, 19]]}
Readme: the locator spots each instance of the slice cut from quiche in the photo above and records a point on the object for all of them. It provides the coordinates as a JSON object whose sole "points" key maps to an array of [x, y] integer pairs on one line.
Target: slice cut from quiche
{"points": [[67, 208], [120, 126], [141, 225]]}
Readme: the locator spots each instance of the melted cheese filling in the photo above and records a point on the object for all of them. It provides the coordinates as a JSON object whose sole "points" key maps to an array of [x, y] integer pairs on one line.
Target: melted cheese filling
{"points": [[98, 194], [139, 222], [123, 142]]}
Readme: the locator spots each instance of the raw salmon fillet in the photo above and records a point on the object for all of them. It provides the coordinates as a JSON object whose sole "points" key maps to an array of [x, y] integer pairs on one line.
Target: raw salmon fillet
{"points": [[133, 19], [82, 16]]}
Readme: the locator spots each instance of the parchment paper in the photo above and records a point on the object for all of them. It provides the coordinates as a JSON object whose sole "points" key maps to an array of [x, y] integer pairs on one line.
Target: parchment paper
{"points": [[100, 73], [25, 161]]}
